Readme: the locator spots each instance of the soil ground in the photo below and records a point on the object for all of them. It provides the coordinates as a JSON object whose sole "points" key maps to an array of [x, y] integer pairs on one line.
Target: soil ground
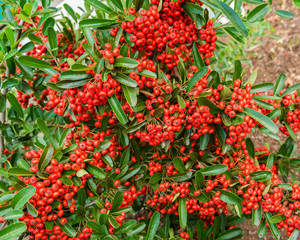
{"points": [[273, 57]]}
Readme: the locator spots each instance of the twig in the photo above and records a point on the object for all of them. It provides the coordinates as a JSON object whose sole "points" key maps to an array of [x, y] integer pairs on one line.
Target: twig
{"points": [[3, 224]]}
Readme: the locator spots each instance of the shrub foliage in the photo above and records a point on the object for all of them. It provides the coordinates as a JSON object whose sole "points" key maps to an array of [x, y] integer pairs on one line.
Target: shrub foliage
{"points": [[114, 125]]}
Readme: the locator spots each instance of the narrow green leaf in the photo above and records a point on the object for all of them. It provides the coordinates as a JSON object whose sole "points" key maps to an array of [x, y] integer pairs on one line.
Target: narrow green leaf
{"points": [[19, 172], [290, 90], [97, 22], [15, 104], [213, 108], [284, 14], [279, 84], [99, 5], [125, 62], [233, 17], [130, 95], [33, 62], [67, 228], [22, 197], [258, 13], [42, 126], [182, 210], [179, 165], [262, 119], [45, 158], [97, 172], [117, 108], [153, 226], [273, 226], [198, 61], [214, 170], [12, 231], [117, 202], [261, 87], [196, 77], [230, 197]]}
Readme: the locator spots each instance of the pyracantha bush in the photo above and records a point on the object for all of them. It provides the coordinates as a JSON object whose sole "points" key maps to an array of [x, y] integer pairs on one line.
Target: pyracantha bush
{"points": [[118, 128]]}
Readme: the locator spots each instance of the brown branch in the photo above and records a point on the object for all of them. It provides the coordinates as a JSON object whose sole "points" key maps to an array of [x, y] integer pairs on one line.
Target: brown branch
{"points": [[3, 225]]}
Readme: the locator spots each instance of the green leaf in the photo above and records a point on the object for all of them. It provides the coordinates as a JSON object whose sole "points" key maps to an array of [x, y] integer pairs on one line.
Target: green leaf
{"points": [[134, 127], [255, 2], [252, 78], [237, 70], [45, 158], [118, 4], [125, 62], [96, 22], [117, 109], [147, 73], [138, 228], [258, 13], [233, 17], [103, 145], [203, 141], [231, 234], [114, 223], [230, 198], [156, 177], [279, 84], [19, 172], [99, 5], [277, 218], [264, 104], [82, 196], [125, 80], [261, 87], [182, 210], [199, 180], [13, 214], [297, 5], [250, 148], [196, 77], [131, 173], [180, 177], [67, 84], [12, 231], [213, 108], [198, 61], [93, 225], [296, 232], [284, 14], [97, 172], [272, 226], [10, 36], [107, 159], [261, 176], [290, 89], [67, 181], [138, 4], [179, 165], [126, 227], [233, 35], [42, 126], [117, 202], [270, 161], [22, 197], [214, 170], [262, 119], [33, 62], [130, 95], [290, 131], [10, 83], [221, 134], [31, 209], [67, 228], [263, 229], [256, 216], [15, 104], [153, 226], [52, 39], [70, 11]]}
